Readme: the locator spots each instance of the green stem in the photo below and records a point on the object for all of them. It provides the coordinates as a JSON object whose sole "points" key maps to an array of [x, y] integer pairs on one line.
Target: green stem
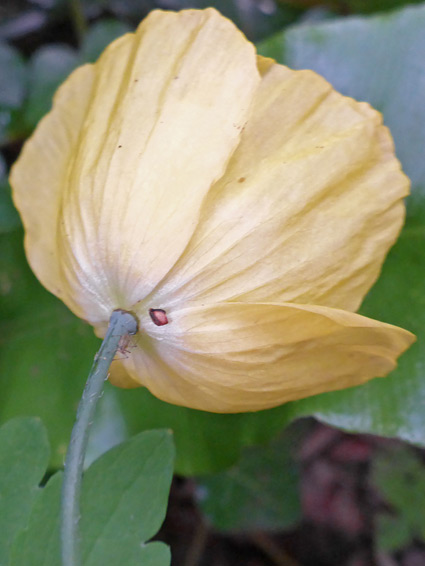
{"points": [[78, 19], [122, 323]]}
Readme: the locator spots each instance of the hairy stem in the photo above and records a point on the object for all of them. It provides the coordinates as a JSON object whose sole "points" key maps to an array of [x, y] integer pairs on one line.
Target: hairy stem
{"points": [[121, 324]]}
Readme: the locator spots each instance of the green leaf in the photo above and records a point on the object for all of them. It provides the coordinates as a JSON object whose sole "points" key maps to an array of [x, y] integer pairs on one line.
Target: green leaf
{"points": [[403, 488], [9, 219], [13, 82], [45, 352], [205, 442], [99, 36], [125, 496], [39, 543], [392, 533], [48, 68], [260, 492], [24, 453], [124, 502], [12, 87]]}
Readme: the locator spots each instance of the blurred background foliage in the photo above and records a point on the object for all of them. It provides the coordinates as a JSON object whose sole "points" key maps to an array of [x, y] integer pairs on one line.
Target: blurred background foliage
{"points": [[373, 50]]}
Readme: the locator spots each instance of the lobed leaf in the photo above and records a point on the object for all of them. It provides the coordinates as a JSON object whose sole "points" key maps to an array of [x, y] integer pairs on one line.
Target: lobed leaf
{"points": [[124, 501], [24, 454]]}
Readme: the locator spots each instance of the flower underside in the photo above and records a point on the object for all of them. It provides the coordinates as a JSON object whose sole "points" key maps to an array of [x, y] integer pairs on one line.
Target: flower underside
{"points": [[241, 210]]}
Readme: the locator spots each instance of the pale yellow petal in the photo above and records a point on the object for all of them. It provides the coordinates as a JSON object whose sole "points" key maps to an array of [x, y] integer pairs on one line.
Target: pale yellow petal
{"points": [[162, 120], [236, 357], [118, 374], [39, 176], [307, 209]]}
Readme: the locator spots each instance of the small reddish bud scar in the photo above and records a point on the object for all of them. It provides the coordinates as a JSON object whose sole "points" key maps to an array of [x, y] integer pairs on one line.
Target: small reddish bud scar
{"points": [[158, 316]]}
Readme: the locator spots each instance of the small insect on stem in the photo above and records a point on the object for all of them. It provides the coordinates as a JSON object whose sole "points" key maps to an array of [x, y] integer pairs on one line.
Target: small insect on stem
{"points": [[123, 346], [158, 316]]}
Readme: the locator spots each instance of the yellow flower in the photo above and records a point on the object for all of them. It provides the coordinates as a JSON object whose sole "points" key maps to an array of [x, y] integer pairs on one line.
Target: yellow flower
{"points": [[240, 209]]}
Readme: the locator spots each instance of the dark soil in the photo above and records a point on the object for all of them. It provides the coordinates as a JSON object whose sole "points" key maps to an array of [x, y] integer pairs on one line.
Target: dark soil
{"points": [[340, 507]]}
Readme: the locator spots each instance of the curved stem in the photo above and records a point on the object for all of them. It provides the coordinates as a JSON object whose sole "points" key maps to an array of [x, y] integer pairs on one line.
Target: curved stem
{"points": [[122, 323]]}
